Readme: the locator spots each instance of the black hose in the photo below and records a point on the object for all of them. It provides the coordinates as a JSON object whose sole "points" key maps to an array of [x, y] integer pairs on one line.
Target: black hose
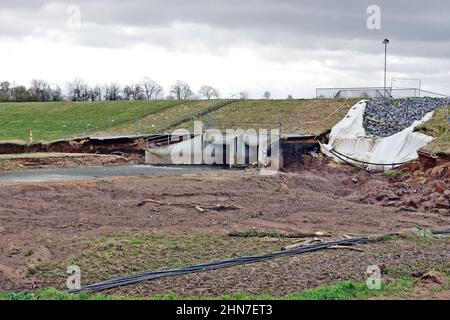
{"points": [[348, 162], [441, 232], [115, 283], [354, 165], [369, 163], [129, 280]]}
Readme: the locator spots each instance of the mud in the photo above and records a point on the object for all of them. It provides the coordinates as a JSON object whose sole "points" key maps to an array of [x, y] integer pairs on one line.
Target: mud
{"points": [[106, 145], [55, 218], [411, 189], [84, 173], [52, 161], [291, 275]]}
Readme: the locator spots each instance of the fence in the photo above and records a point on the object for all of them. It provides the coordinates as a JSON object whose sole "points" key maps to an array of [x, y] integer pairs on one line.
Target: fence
{"points": [[140, 124], [380, 92], [375, 92], [44, 131]]}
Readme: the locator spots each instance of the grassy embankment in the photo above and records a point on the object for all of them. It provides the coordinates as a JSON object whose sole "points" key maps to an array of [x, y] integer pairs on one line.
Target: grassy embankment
{"points": [[54, 121], [308, 116], [439, 128]]}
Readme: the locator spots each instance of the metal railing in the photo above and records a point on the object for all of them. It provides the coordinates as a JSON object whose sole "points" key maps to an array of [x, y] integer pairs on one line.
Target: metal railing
{"points": [[165, 139], [191, 117], [375, 92]]}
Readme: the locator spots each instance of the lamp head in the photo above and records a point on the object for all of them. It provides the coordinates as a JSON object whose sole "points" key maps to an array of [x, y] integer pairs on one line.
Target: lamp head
{"points": [[385, 41]]}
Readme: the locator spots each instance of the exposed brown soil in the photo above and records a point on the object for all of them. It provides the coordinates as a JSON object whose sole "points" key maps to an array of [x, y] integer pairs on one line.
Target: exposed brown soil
{"points": [[430, 286], [54, 219], [51, 161], [130, 145], [291, 275], [276, 277], [411, 190]]}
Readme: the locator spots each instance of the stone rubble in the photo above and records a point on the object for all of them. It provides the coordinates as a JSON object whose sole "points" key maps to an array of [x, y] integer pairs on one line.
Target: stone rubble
{"points": [[412, 190], [384, 118]]}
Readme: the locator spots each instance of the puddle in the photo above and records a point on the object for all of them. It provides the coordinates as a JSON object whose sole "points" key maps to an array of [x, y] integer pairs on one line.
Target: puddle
{"points": [[90, 173]]}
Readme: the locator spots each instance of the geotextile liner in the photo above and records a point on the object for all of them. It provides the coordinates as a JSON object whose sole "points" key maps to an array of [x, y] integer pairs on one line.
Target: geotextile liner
{"points": [[350, 142]]}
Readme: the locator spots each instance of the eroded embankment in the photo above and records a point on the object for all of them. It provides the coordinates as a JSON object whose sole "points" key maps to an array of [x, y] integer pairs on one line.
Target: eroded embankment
{"points": [[10, 163], [72, 153], [121, 145], [414, 188]]}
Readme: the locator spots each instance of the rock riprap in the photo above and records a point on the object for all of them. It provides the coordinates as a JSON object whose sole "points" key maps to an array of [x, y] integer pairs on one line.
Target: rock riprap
{"points": [[384, 118]]}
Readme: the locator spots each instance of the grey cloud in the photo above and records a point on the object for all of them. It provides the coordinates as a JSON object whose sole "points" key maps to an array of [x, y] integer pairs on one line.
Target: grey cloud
{"points": [[278, 30], [299, 24]]}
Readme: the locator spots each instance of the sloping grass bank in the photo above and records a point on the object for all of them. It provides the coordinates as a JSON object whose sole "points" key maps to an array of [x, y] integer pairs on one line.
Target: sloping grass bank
{"points": [[439, 128], [61, 120]]}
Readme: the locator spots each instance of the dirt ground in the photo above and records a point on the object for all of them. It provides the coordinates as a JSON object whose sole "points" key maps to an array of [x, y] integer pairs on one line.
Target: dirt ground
{"points": [[59, 160], [43, 227]]}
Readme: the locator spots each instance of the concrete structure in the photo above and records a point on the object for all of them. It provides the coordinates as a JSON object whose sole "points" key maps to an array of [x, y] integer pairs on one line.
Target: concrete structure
{"points": [[234, 151]]}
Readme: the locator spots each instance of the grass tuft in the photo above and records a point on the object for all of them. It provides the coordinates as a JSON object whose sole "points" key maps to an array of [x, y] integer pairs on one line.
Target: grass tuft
{"points": [[438, 128], [345, 290]]}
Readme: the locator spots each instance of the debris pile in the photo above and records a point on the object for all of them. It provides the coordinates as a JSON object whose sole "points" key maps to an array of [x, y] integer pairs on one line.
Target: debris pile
{"points": [[427, 191], [384, 118]]}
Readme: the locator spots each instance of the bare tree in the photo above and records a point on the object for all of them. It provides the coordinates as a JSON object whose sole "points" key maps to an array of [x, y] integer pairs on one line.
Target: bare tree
{"points": [[208, 92], [127, 92], [151, 89], [41, 89], [21, 94], [181, 90], [5, 86], [138, 92], [77, 90], [91, 94], [94, 93], [85, 93], [56, 93], [243, 95], [112, 92], [267, 95], [5, 91], [97, 93]]}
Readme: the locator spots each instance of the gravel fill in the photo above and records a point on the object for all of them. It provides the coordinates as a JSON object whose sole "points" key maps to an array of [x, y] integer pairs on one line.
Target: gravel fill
{"points": [[384, 118]]}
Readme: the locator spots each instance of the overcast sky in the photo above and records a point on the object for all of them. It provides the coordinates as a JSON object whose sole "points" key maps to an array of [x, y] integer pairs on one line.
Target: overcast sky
{"points": [[284, 46]]}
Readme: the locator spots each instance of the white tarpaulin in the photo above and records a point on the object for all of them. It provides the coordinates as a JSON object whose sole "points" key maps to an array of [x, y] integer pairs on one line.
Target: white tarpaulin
{"points": [[349, 142]]}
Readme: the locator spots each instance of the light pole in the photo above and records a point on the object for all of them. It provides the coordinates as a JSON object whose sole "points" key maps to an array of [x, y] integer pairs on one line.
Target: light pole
{"points": [[385, 42]]}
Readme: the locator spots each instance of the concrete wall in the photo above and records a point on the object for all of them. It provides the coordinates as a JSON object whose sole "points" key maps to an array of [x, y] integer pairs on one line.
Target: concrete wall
{"points": [[235, 151], [210, 149]]}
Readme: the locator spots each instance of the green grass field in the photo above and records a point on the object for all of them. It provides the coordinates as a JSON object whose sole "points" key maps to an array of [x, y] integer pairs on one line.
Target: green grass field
{"points": [[62, 120], [59, 120], [438, 128], [344, 290], [309, 116]]}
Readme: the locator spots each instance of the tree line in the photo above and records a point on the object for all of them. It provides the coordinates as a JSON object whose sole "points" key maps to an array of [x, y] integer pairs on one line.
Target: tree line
{"points": [[79, 90]]}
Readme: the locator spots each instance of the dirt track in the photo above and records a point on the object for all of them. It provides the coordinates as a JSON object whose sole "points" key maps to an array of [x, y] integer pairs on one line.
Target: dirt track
{"points": [[52, 220], [59, 160]]}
